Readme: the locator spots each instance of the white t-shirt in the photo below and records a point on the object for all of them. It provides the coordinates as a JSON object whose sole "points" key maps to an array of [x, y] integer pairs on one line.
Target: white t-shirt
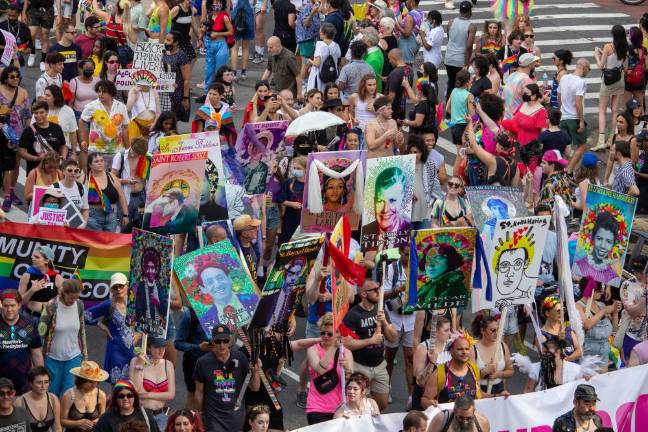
{"points": [[434, 37], [65, 343], [105, 127], [44, 81], [571, 372], [72, 194], [570, 86], [65, 118], [120, 162]]}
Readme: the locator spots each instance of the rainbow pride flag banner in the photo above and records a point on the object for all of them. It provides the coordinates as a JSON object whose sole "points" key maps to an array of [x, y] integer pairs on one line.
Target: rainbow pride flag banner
{"points": [[94, 256]]}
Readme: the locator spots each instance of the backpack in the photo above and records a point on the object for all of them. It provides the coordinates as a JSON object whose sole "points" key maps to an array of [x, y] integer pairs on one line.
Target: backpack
{"points": [[328, 69], [635, 76], [240, 22], [57, 185]]}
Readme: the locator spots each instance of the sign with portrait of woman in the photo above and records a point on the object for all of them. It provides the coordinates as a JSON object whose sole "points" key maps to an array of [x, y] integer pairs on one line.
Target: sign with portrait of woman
{"points": [[604, 234], [441, 262], [489, 204], [334, 188], [217, 285]]}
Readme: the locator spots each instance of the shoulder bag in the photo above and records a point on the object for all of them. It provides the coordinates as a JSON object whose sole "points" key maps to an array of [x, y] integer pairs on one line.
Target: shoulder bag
{"points": [[326, 382]]}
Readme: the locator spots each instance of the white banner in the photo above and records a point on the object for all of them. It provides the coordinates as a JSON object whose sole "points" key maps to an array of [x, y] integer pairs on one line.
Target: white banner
{"points": [[165, 81], [623, 406]]}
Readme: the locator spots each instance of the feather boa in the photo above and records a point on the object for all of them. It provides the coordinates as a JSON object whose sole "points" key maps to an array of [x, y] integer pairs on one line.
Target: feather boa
{"points": [[315, 189]]}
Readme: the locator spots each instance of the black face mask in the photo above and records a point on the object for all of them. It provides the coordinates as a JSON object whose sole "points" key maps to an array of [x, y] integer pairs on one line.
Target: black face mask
{"points": [[168, 47], [526, 97], [88, 73]]}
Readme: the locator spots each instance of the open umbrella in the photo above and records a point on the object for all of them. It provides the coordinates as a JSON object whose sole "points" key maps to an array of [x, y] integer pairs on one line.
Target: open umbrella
{"points": [[312, 121]]}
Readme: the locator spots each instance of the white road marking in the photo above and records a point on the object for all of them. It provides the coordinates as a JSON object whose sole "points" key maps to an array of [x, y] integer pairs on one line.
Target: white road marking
{"points": [[290, 374]]}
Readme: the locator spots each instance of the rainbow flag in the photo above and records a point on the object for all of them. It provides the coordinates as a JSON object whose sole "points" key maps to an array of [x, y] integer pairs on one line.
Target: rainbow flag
{"points": [[98, 196], [615, 355], [508, 63], [89, 256], [143, 168]]}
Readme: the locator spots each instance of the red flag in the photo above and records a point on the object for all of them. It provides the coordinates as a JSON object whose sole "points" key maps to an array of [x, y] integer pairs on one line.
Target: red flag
{"points": [[342, 269]]}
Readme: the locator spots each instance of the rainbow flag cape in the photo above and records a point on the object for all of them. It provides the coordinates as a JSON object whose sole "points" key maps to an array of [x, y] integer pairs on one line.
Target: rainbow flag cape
{"points": [[97, 196], [143, 168]]}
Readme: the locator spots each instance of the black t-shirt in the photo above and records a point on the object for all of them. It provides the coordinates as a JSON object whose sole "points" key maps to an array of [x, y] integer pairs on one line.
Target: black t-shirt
{"points": [[111, 420], [17, 421], [223, 383], [363, 323], [395, 84], [53, 135], [429, 115], [480, 85], [283, 8], [557, 140], [392, 43], [41, 4], [72, 56]]}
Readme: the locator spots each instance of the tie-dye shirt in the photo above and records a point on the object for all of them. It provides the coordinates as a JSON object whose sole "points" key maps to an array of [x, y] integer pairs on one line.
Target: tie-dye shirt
{"points": [[513, 89]]}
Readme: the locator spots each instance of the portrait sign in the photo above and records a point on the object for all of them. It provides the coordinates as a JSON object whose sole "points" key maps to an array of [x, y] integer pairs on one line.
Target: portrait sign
{"points": [[73, 215], [217, 286], [257, 148], [515, 258], [150, 283], [333, 188], [173, 192], [489, 204], [213, 205], [389, 187], [441, 262], [286, 283], [604, 234]]}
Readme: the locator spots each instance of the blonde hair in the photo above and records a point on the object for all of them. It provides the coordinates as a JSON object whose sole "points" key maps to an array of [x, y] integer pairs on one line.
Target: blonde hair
{"points": [[325, 320]]}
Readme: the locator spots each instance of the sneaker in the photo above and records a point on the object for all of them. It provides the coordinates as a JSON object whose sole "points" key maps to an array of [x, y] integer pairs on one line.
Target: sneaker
{"points": [[301, 399], [6, 206], [15, 200], [200, 99], [31, 60], [251, 56], [42, 66], [449, 4], [258, 58], [243, 77], [38, 44]]}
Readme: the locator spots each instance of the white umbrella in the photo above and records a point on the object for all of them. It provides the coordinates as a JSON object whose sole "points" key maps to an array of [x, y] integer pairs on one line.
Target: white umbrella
{"points": [[312, 121]]}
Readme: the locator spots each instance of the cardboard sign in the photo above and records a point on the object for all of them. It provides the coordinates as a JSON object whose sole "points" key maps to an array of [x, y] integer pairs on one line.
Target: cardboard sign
{"points": [[49, 216], [148, 56], [165, 81]]}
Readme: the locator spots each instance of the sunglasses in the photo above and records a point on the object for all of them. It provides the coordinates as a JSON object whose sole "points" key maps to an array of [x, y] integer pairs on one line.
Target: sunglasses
{"points": [[6, 394], [70, 32], [529, 36], [221, 341], [73, 171], [125, 395], [112, 61], [117, 287], [14, 76], [454, 185], [323, 333], [372, 290]]}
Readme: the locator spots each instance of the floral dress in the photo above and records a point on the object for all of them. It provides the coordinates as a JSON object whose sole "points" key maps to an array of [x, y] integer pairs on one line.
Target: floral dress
{"points": [[119, 349], [18, 113]]}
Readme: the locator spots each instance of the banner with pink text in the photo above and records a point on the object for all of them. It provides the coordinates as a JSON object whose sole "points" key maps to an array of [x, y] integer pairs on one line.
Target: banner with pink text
{"points": [[623, 406]]}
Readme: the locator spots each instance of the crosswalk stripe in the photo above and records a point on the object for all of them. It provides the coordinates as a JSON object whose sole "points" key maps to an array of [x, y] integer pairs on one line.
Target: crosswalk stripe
{"points": [[558, 43], [489, 10], [538, 18]]}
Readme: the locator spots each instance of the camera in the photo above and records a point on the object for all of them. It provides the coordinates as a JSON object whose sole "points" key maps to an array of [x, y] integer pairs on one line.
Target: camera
{"points": [[395, 305]]}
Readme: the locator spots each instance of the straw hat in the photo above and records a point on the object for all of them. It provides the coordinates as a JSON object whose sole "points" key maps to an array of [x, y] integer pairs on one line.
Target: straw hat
{"points": [[90, 371]]}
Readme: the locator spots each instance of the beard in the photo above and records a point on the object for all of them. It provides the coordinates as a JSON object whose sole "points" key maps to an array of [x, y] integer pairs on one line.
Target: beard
{"points": [[465, 426], [586, 416]]}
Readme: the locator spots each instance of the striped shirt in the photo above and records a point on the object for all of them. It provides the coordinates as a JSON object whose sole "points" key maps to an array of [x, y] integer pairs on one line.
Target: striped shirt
{"points": [[624, 178]]}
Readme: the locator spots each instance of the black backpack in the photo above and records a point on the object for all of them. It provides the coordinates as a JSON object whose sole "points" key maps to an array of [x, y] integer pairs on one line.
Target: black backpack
{"points": [[240, 22], [328, 69]]}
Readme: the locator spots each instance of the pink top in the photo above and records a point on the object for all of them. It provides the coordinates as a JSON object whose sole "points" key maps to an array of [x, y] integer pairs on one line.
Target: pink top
{"points": [[329, 402], [641, 350], [527, 127], [488, 139], [84, 93]]}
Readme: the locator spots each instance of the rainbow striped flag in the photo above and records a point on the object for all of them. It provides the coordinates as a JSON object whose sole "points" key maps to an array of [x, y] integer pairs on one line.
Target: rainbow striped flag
{"points": [[508, 63], [143, 168], [98, 196]]}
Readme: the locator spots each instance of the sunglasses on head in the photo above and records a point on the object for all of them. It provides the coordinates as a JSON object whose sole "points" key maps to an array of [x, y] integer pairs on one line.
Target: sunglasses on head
{"points": [[125, 395], [323, 333]]}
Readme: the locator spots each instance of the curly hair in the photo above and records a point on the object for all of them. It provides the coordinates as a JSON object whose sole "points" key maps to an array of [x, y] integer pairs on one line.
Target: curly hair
{"points": [[454, 258]]}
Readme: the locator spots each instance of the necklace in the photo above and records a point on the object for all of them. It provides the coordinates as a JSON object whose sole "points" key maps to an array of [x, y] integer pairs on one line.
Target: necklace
{"points": [[13, 30]]}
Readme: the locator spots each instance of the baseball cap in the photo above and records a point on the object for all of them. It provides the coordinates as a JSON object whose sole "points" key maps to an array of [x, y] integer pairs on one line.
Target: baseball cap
{"points": [[245, 222], [6, 382], [53, 192], [632, 104], [527, 59], [589, 160], [465, 6], [118, 279], [221, 332], [554, 156], [585, 392]]}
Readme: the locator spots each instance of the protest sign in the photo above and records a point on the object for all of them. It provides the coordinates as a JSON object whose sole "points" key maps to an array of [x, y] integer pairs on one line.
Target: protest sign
{"points": [[440, 268], [389, 187], [604, 234], [257, 148], [623, 407], [286, 283], [173, 192], [9, 48], [150, 279], [97, 255], [73, 215], [164, 82], [515, 258], [334, 187], [217, 285], [148, 56], [48, 216], [489, 204]]}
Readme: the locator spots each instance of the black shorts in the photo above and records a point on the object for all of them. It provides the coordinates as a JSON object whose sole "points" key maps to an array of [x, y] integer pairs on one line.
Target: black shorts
{"points": [[7, 158], [188, 367], [40, 17], [457, 133]]}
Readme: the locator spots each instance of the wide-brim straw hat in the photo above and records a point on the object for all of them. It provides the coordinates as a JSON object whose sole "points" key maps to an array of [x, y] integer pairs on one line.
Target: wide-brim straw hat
{"points": [[90, 371]]}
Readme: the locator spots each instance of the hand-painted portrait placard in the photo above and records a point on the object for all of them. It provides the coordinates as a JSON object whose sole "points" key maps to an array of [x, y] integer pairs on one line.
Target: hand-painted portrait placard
{"points": [[256, 149], [334, 187], [515, 258], [73, 215], [217, 285], [387, 214], [286, 282], [173, 192], [443, 264], [213, 205], [604, 234], [150, 281], [492, 203]]}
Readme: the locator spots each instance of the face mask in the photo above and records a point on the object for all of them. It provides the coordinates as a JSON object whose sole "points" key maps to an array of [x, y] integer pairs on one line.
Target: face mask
{"points": [[297, 173], [217, 7], [526, 97], [471, 70], [168, 47], [88, 73], [51, 205]]}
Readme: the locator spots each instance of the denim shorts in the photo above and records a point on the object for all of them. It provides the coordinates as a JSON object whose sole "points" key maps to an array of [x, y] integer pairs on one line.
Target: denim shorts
{"points": [[101, 221]]}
